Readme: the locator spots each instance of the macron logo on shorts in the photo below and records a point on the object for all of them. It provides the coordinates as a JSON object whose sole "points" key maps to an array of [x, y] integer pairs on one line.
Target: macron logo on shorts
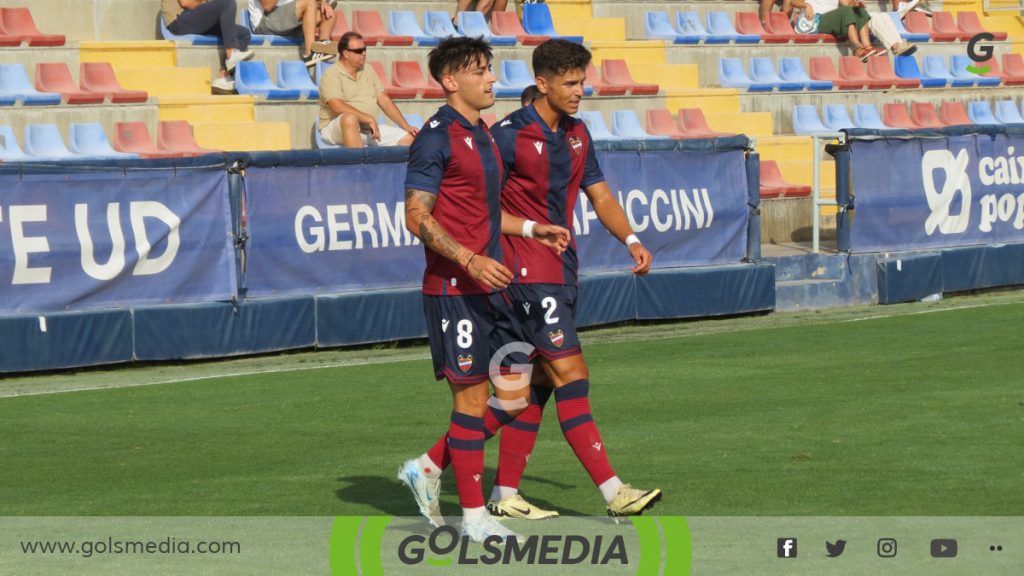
{"points": [[444, 325]]}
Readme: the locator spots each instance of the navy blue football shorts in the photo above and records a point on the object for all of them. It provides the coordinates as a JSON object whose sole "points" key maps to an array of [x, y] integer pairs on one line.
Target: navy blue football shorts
{"points": [[547, 314]]}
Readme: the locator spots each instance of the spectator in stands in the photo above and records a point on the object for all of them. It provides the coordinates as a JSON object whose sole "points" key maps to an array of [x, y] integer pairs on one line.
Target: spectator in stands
{"points": [[907, 5], [352, 97], [830, 17], [530, 93], [485, 6], [216, 17], [313, 19], [766, 8]]}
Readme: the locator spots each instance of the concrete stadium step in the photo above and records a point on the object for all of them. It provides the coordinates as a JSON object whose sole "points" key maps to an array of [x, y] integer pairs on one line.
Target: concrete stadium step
{"points": [[633, 52], [243, 136], [165, 80], [593, 29], [710, 100], [810, 281], [754, 124], [152, 53], [668, 76], [197, 109]]}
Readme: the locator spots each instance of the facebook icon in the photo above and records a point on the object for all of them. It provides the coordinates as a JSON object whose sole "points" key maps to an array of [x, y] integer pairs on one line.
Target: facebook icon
{"points": [[787, 547]]}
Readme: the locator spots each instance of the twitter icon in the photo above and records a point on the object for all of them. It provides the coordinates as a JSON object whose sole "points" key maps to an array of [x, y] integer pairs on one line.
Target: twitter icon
{"points": [[834, 550]]}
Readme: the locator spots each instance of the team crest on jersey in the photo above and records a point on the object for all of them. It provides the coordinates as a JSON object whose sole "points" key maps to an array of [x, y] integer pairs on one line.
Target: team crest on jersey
{"points": [[577, 144], [465, 362], [557, 338]]}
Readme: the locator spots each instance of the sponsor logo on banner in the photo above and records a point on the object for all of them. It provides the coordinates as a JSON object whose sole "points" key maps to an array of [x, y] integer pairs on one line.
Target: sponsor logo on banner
{"points": [[557, 338], [662, 210], [351, 227], [951, 205], [465, 362]]}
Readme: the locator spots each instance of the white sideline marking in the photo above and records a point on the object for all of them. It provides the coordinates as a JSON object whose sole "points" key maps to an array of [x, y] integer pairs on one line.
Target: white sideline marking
{"points": [[929, 311]]}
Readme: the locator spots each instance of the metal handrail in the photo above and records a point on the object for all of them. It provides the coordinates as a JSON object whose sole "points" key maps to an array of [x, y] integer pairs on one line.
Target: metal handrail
{"points": [[815, 184]]}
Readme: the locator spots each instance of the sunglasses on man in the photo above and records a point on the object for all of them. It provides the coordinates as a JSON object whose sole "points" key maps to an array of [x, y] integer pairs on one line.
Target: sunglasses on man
{"points": [[356, 50]]}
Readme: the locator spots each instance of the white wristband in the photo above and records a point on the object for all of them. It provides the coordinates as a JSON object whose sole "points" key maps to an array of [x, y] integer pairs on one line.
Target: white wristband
{"points": [[631, 239], [528, 228]]}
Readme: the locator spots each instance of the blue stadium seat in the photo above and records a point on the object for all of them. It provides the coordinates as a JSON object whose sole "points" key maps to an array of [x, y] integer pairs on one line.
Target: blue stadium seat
{"points": [[404, 23], [414, 119], [906, 67], [438, 24], [866, 116], [690, 27], [193, 39], [318, 140], [657, 26], [595, 124], [473, 24], [626, 126], [537, 21], [1007, 112], [261, 39], [763, 71], [293, 75], [981, 113], [732, 75], [837, 118], [720, 24], [515, 77], [806, 121], [44, 141], [89, 139], [252, 78], [14, 83], [791, 69], [904, 33], [935, 67], [9, 149], [320, 68], [958, 69]]}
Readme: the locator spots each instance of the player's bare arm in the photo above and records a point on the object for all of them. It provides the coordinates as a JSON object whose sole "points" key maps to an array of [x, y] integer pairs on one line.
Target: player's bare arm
{"points": [[614, 219], [419, 221], [554, 237]]}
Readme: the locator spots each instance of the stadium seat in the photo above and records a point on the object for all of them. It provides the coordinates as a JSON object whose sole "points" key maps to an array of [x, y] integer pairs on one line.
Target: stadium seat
{"points": [[474, 24], [134, 137], [261, 39], [626, 125], [176, 136], [99, 77], [488, 118], [1013, 67], [508, 24], [923, 114], [837, 118], [595, 124], [369, 24], [294, 75], [515, 77], [1006, 112], [981, 113], [935, 67], [657, 26], [414, 120], [773, 185], [9, 149], [616, 73], [866, 116], [880, 69], [193, 39], [391, 86], [918, 23], [749, 23], [806, 121], [340, 25], [732, 75], [321, 67], [438, 24], [953, 114], [779, 25], [907, 35], [89, 139], [852, 69], [995, 71], [943, 23], [906, 67], [537, 20], [318, 140], [894, 114], [8, 40], [8, 99], [252, 78], [45, 141], [661, 123], [55, 77], [404, 23], [791, 69], [823, 70], [18, 23], [763, 71], [720, 24], [408, 75], [691, 27], [14, 83], [968, 23], [958, 69], [694, 125], [600, 86]]}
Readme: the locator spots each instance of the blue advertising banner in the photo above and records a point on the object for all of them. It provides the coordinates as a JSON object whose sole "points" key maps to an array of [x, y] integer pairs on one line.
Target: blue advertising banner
{"points": [[341, 227], [101, 237], [937, 192]]}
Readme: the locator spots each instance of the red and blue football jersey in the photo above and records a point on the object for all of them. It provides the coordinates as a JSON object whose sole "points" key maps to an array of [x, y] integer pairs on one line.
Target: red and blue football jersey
{"points": [[459, 162], [544, 171]]}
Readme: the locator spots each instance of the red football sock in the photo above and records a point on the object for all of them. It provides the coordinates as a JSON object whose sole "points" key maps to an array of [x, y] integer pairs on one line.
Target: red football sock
{"points": [[578, 426], [518, 438], [466, 447]]}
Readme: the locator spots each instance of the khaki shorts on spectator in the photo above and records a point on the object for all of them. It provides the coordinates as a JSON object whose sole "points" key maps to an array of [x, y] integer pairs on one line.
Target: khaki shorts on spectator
{"points": [[281, 21], [389, 135]]}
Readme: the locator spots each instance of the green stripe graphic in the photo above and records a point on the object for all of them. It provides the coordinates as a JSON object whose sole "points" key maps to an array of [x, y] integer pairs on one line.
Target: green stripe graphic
{"points": [[369, 546], [678, 545], [650, 546], [342, 547]]}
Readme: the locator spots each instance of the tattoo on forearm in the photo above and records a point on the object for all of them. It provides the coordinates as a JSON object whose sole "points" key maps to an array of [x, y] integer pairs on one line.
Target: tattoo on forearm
{"points": [[425, 198], [431, 233]]}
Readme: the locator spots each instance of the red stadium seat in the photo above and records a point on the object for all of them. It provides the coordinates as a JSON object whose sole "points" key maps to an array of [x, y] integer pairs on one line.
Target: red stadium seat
{"points": [[134, 137], [750, 23], [852, 69], [176, 136], [880, 69], [1013, 69], [923, 114], [661, 123], [953, 114], [970, 25], [408, 74], [55, 77], [99, 77], [602, 88], [823, 69], [694, 125], [340, 25], [943, 23], [895, 114], [390, 88], [18, 23], [773, 185], [779, 25], [489, 118], [8, 39], [371, 26], [617, 72], [508, 24], [918, 23]]}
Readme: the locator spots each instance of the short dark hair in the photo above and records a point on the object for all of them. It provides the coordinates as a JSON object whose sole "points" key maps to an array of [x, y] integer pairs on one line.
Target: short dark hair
{"points": [[457, 53], [343, 41], [556, 57], [530, 93]]}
